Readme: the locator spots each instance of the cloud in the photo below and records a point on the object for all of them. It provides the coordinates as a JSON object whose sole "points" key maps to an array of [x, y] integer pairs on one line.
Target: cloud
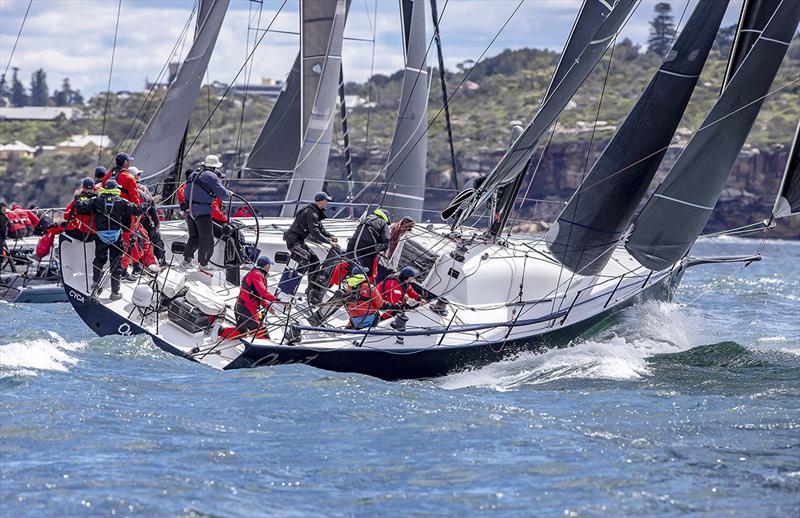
{"points": [[74, 38]]}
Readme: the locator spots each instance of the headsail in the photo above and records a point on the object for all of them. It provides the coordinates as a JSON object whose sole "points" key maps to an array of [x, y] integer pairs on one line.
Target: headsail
{"points": [[277, 147], [788, 201], [679, 209], [322, 32], [586, 232], [755, 15], [516, 158], [157, 149], [406, 164]]}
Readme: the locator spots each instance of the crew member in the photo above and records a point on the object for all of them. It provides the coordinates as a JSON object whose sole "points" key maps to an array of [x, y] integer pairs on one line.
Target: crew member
{"points": [[110, 212], [397, 289], [126, 183], [218, 217], [81, 226], [149, 222], [203, 186], [99, 174], [370, 238], [364, 301], [307, 224], [253, 295]]}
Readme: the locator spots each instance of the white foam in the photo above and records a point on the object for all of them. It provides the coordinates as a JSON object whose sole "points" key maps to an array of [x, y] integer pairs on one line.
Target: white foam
{"points": [[619, 354], [40, 354]]}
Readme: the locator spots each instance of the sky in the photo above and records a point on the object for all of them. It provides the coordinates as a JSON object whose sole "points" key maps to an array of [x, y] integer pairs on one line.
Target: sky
{"points": [[74, 38]]}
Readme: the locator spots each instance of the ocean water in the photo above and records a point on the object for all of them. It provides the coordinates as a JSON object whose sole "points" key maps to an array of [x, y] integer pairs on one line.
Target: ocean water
{"points": [[683, 408]]}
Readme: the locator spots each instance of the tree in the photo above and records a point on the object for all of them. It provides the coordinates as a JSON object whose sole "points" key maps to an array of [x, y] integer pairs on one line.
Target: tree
{"points": [[2, 90], [18, 95], [39, 92], [662, 30], [67, 96]]}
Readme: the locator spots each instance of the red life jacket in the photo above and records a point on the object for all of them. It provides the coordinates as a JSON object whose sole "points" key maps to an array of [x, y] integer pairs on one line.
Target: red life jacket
{"points": [[16, 224], [367, 301], [253, 293], [81, 222]]}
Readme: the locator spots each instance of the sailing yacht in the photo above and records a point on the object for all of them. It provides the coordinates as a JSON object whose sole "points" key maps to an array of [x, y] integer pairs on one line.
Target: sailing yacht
{"points": [[490, 294]]}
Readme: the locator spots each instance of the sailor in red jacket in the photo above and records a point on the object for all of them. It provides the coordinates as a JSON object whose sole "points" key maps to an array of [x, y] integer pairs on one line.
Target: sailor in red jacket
{"points": [[129, 190], [397, 288], [81, 226], [253, 295]]}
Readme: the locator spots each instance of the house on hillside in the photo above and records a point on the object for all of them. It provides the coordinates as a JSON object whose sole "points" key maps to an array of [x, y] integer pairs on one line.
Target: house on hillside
{"points": [[83, 143], [16, 149], [35, 113]]}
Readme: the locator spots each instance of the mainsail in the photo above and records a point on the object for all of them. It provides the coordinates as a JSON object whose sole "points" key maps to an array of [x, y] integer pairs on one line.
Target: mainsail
{"points": [[755, 15], [406, 163], [516, 158], [587, 230], [679, 209], [788, 201], [321, 60], [277, 147], [157, 150]]}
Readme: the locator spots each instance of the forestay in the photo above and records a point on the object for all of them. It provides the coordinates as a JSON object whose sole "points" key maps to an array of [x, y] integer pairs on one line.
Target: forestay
{"points": [[587, 230], [788, 201], [406, 163], [515, 159], [679, 209], [157, 150], [323, 24]]}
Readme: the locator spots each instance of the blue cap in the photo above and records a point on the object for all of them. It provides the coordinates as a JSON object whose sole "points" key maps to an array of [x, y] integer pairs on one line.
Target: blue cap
{"points": [[322, 195], [263, 261], [88, 183], [100, 171], [408, 272], [122, 157], [111, 184]]}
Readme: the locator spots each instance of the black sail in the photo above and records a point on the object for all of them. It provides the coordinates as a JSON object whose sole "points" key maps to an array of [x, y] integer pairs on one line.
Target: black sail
{"points": [[277, 147], [755, 15], [677, 212], [587, 230], [515, 160], [788, 202], [590, 17]]}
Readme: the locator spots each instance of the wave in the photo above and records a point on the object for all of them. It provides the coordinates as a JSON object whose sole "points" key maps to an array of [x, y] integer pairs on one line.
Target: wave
{"points": [[38, 354], [620, 352]]}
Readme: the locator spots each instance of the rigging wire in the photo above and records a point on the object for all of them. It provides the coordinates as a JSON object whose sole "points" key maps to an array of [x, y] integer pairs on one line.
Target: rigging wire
{"points": [[108, 88], [374, 28], [19, 33]]}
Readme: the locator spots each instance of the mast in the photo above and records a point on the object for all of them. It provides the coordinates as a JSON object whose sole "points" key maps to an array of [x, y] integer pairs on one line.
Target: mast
{"points": [[445, 98], [406, 163], [166, 130], [321, 36], [754, 16], [675, 215], [516, 158], [348, 158], [584, 236], [788, 201]]}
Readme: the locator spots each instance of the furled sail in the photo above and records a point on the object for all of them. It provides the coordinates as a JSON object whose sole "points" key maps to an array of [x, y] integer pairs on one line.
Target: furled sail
{"points": [[406, 163], [590, 17], [678, 210], [755, 15], [516, 158], [788, 201], [277, 147], [322, 32], [157, 150], [587, 230]]}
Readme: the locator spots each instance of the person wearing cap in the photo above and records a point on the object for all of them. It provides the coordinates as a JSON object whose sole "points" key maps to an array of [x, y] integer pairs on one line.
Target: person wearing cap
{"points": [[81, 226], [219, 218], [397, 289], [129, 190], [253, 296], [307, 224], [110, 210], [99, 174], [372, 236], [364, 300], [203, 186]]}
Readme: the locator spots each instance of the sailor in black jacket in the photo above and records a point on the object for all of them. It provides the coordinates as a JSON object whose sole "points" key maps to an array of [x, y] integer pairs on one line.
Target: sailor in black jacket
{"points": [[308, 225], [111, 216], [370, 238]]}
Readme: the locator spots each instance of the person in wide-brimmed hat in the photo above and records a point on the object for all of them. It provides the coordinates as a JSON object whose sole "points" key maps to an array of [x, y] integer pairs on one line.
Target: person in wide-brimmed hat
{"points": [[203, 186]]}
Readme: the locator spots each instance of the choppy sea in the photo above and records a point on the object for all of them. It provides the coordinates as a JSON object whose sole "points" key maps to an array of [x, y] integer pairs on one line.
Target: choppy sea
{"points": [[683, 408]]}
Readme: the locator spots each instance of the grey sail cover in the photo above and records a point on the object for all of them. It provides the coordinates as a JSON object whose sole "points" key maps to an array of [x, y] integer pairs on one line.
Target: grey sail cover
{"points": [[587, 230], [680, 207], [788, 202], [321, 60], [406, 164], [590, 17], [277, 147], [157, 149], [515, 159], [755, 15]]}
